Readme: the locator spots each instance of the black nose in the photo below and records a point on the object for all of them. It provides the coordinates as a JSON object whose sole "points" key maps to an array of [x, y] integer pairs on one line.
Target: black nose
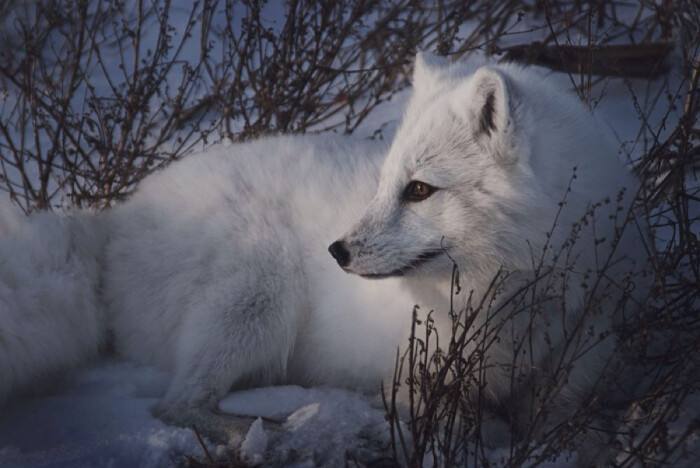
{"points": [[340, 253]]}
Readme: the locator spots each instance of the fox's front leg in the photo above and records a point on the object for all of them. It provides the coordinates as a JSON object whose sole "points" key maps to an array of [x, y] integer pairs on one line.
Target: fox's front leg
{"points": [[232, 337]]}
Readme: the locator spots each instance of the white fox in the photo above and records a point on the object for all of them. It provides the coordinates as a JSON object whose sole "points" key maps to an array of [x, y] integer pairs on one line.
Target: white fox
{"points": [[476, 175], [216, 268]]}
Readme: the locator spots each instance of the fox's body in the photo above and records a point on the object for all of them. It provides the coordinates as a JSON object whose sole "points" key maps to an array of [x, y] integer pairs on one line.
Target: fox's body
{"points": [[218, 266], [216, 269]]}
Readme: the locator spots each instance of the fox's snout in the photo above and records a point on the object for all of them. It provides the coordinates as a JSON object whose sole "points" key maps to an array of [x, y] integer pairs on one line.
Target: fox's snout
{"points": [[340, 252]]}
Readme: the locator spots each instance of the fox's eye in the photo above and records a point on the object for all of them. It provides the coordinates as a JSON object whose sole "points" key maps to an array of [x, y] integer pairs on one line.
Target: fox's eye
{"points": [[417, 191]]}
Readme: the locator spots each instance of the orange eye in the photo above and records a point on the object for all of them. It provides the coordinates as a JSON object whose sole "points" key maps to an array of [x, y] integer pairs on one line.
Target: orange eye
{"points": [[417, 191]]}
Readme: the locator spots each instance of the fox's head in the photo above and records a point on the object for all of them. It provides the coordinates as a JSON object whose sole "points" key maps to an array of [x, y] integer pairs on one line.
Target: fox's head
{"points": [[474, 175]]}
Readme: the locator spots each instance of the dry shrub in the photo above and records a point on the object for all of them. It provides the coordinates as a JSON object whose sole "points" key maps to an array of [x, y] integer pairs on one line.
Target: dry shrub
{"points": [[97, 94]]}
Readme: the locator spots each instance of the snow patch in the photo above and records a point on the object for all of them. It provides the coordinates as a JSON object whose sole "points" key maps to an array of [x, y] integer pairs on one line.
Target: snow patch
{"points": [[321, 426], [255, 444]]}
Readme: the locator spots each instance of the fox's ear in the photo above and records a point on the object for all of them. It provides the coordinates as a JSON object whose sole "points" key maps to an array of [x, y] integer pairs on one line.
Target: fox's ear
{"points": [[426, 73], [490, 101], [491, 110]]}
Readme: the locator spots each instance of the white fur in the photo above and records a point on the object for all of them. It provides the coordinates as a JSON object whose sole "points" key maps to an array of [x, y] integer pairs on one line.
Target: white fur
{"points": [[50, 317], [215, 270], [218, 270], [500, 181]]}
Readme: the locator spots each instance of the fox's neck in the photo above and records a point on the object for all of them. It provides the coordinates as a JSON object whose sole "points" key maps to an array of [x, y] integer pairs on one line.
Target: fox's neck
{"points": [[430, 293]]}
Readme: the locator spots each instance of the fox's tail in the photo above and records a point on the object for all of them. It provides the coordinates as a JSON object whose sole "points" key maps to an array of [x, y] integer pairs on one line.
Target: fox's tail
{"points": [[50, 315]]}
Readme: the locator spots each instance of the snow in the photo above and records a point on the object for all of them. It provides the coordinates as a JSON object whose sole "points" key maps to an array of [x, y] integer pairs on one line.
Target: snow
{"points": [[255, 443], [98, 418], [321, 425], [101, 417]]}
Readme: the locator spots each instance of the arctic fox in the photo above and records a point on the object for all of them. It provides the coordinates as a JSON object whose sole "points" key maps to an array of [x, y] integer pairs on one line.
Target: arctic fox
{"points": [[476, 175], [216, 268]]}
